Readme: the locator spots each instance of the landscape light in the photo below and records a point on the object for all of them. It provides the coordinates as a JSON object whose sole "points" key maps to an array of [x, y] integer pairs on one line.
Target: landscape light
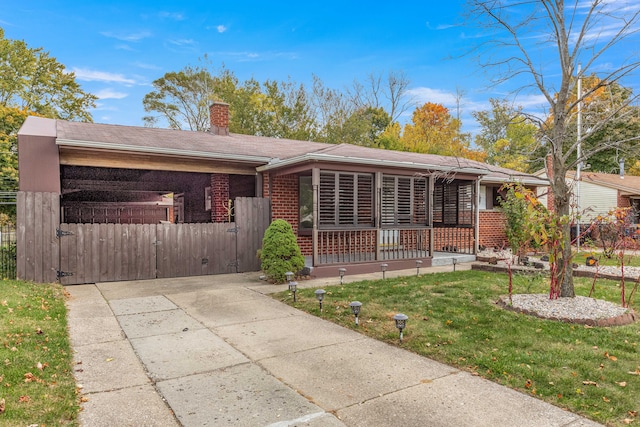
{"points": [[341, 272], [293, 288], [320, 296], [355, 309], [401, 323]]}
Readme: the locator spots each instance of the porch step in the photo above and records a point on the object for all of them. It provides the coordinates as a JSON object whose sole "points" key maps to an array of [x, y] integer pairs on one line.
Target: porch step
{"points": [[444, 258]]}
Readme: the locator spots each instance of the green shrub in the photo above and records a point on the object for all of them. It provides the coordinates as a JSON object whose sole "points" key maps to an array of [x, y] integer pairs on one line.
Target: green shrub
{"points": [[280, 251]]}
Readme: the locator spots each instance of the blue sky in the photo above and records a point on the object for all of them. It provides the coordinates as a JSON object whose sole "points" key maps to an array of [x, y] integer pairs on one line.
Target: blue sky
{"points": [[117, 48]]}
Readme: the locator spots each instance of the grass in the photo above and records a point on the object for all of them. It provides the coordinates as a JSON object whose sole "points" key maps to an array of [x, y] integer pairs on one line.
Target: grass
{"points": [[631, 259], [36, 379], [453, 318]]}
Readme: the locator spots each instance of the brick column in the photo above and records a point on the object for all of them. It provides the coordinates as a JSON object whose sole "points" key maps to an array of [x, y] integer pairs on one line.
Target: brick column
{"points": [[219, 197]]}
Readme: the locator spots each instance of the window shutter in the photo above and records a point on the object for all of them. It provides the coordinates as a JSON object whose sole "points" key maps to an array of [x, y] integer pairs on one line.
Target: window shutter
{"points": [[365, 200], [420, 201], [327, 199], [346, 200]]}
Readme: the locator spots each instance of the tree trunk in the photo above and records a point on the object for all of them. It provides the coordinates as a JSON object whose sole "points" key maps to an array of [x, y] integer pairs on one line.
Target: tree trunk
{"points": [[562, 207]]}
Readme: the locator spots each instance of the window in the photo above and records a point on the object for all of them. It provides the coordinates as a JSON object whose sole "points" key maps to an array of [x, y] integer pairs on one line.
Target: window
{"points": [[453, 204], [345, 199], [404, 201], [305, 202]]}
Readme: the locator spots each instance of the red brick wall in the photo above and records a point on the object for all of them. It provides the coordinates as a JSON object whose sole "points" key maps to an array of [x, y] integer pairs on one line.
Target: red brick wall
{"points": [[491, 233], [623, 201], [284, 204], [219, 197]]}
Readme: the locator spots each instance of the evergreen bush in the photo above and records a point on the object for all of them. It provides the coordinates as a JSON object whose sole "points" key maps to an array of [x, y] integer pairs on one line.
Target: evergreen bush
{"points": [[280, 251]]}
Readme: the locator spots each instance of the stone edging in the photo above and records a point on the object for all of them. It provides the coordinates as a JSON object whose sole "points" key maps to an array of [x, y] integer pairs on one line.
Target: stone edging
{"points": [[623, 319]]}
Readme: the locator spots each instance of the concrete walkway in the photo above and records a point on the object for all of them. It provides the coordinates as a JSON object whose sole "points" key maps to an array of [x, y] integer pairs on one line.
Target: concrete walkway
{"points": [[217, 351]]}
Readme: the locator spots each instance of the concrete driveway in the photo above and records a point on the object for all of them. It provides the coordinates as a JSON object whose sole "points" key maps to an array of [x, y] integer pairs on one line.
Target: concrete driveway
{"points": [[218, 351]]}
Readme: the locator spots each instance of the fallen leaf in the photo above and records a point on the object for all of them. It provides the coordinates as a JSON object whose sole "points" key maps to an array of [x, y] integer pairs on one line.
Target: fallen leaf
{"points": [[636, 372], [622, 383], [24, 399], [40, 366], [605, 399], [559, 396], [29, 377], [109, 359], [633, 413], [2, 406], [627, 420], [590, 383], [84, 399], [528, 384]]}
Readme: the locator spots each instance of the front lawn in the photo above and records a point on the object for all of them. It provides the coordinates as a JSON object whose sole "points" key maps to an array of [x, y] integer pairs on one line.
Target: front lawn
{"points": [[37, 386], [453, 318]]}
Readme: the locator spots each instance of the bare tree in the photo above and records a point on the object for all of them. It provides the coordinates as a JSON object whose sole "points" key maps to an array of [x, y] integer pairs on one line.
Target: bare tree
{"points": [[377, 92], [541, 43]]}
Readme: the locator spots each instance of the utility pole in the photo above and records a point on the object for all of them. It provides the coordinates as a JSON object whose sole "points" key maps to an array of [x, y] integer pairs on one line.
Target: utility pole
{"points": [[579, 156]]}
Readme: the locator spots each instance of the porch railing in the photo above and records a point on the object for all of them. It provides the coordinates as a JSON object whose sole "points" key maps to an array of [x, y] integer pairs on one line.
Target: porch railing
{"points": [[454, 239], [352, 246]]}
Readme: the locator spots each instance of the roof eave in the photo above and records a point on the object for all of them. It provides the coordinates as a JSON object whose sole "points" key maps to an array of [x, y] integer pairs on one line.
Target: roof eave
{"points": [[313, 157], [162, 151]]}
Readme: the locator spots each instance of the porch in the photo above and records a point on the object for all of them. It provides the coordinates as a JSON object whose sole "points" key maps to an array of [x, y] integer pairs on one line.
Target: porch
{"points": [[365, 251]]}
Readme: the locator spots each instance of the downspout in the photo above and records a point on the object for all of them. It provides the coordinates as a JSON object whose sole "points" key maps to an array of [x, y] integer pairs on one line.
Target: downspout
{"points": [[476, 226], [315, 185], [432, 238]]}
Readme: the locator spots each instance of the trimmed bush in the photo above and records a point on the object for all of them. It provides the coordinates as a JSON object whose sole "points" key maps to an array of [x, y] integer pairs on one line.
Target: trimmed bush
{"points": [[280, 251]]}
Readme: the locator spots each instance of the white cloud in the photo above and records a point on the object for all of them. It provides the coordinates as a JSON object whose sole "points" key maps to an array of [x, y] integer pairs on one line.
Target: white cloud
{"points": [[176, 16], [437, 96], [110, 94], [221, 28], [101, 76], [127, 37], [182, 42]]}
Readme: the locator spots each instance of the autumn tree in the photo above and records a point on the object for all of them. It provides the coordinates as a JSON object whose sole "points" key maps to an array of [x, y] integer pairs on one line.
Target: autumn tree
{"points": [[33, 83], [507, 136], [433, 130], [583, 32]]}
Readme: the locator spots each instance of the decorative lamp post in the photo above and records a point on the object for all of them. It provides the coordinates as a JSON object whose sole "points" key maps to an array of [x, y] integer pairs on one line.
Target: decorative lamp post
{"points": [[384, 269], [418, 264], [289, 276], [355, 309], [342, 272], [455, 261], [293, 288], [401, 322], [320, 296]]}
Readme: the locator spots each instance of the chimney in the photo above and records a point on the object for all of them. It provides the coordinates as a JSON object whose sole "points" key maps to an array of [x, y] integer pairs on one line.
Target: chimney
{"points": [[219, 116]]}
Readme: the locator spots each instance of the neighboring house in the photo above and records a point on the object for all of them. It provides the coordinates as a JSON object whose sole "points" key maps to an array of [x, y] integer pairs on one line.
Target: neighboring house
{"points": [[350, 206], [600, 193]]}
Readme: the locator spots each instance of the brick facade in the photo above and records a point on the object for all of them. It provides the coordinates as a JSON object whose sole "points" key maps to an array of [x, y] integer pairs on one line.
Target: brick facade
{"points": [[284, 205], [491, 229], [219, 197]]}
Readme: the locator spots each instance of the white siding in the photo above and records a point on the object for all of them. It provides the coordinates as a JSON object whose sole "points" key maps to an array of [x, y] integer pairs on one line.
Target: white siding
{"points": [[596, 200]]}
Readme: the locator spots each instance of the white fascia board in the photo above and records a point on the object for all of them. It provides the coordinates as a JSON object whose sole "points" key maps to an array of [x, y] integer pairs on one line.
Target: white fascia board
{"points": [[515, 178], [163, 151], [370, 162]]}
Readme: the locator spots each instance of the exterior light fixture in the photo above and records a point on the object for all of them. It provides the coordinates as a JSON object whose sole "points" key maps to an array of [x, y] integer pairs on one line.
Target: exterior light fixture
{"points": [[455, 261], [293, 288], [289, 276], [341, 272], [355, 309], [320, 296], [401, 322], [384, 269], [418, 264]]}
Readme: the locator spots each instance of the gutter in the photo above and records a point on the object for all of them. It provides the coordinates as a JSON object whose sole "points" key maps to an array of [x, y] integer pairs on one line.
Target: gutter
{"points": [[315, 157], [165, 151]]}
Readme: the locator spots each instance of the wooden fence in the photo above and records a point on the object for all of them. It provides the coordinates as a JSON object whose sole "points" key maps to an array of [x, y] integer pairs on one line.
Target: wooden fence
{"points": [[89, 253]]}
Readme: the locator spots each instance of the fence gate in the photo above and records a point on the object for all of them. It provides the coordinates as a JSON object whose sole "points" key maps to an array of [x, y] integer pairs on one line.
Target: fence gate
{"points": [[92, 253]]}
